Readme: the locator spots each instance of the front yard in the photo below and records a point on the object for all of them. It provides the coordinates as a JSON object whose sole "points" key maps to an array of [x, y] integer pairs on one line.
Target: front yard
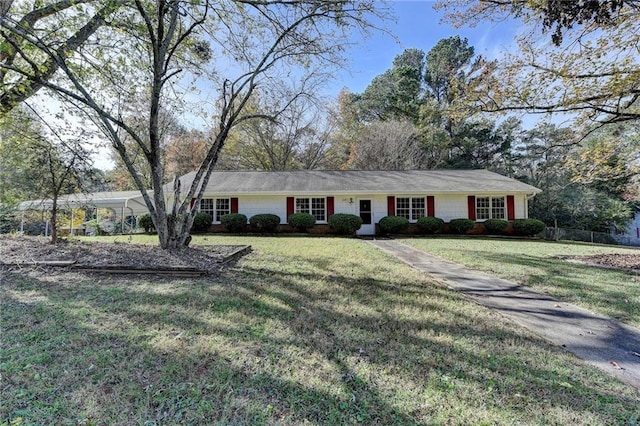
{"points": [[542, 265], [301, 331]]}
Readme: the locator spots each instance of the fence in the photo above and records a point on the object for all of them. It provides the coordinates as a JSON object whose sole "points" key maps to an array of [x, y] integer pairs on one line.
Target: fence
{"points": [[578, 235]]}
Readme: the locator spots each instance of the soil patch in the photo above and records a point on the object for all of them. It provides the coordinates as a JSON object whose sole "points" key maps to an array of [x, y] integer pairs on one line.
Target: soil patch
{"points": [[26, 251], [617, 261]]}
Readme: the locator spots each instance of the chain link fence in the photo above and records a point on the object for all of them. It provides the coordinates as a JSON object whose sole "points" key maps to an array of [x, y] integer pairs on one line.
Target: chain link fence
{"points": [[557, 234]]}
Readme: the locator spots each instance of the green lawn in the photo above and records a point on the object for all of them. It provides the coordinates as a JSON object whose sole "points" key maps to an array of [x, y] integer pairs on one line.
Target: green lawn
{"points": [[538, 264], [301, 331]]}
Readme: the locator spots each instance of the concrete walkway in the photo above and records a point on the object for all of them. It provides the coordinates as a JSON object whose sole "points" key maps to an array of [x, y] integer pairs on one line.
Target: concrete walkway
{"points": [[601, 341]]}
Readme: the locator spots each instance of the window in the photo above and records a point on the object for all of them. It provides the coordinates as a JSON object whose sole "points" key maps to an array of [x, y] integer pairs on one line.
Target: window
{"points": [[314, 206], [223, 206], [490, 208], [216, 207], [411, 208]]}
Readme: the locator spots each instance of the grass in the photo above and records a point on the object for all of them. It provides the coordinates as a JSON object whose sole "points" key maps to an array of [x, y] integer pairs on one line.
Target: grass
{"points": [[537, 264], [301, 331]]}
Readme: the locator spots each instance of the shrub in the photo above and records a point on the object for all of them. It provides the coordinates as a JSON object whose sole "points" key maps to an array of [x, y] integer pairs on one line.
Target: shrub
{"points": [[430, 224], [235, 222], [265, 222], [201, 222], [145, 222], [393, 224], [8, 219], [344, 223], [302, 221], [528, 227], [97, 226], [461, 226], [495, 226]]}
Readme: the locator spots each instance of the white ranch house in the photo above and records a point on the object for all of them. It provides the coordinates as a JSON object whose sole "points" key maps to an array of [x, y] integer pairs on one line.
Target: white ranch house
{"points": [[447, 194]]}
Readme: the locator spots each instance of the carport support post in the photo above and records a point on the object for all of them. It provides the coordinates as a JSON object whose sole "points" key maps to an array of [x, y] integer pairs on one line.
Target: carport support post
{"points": [[122, 222], [71, 224]]}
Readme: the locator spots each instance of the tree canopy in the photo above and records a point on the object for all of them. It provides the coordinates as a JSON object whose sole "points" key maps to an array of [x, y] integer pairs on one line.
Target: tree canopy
{"points": [[588, 69], [122, 63]]}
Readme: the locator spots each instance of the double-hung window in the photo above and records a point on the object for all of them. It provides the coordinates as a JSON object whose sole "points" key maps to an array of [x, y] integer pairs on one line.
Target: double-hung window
{"points": [[411, 208], [216, 207], [314, 206], [490, 208]]}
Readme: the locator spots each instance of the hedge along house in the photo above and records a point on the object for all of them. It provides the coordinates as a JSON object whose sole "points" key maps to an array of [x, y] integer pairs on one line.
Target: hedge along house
{"points": [[448, 194]]}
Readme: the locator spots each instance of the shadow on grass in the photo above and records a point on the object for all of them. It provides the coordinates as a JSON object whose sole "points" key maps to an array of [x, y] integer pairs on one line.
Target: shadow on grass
{"points": [[262, 345], [613, 293]]}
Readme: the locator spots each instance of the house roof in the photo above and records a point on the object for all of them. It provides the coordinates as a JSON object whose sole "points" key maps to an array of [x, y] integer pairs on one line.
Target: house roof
{"points": [[361, 181], [309, 182]]}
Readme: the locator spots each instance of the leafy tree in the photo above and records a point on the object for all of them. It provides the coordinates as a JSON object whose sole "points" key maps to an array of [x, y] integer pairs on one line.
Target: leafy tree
{"points": [[32, 166], [185, 149], [62, 26], [580, 189], [446, 63], [605, 161], [397, 93], [169, 46], [453, 78], [479, 145], [15, 186], [590, 68], [436, 92], [562, 15], [346, 127]]}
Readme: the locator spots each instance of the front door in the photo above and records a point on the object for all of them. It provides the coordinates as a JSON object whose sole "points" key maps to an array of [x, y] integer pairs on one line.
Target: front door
{"points": [[366, 214]]}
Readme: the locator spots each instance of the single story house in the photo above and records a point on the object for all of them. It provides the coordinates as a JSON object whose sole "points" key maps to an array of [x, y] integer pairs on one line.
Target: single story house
{"points": [[371, 194]]}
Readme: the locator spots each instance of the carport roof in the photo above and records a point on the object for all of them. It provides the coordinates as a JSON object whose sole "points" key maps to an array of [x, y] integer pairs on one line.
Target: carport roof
{"points": [[113, 200]]}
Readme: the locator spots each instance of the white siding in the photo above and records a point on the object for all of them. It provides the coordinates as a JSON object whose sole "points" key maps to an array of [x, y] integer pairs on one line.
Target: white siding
{"points": [[250, 205], [447, 207], [521, 207]]}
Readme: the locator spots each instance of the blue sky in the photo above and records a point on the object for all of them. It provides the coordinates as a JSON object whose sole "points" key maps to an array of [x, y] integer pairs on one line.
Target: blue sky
{"points": [[417, 25]]}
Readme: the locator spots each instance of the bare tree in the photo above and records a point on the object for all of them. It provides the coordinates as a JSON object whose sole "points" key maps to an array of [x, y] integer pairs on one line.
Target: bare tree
{"points": [[387, 145], [296, 139], [40, 158]]}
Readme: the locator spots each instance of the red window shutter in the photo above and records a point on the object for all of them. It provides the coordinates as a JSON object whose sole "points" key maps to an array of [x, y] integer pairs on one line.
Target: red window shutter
{"points": [[291, 202], [471, 204], [330, 207], [431, 205], [234, 205], [391, 205], [511, 208]]}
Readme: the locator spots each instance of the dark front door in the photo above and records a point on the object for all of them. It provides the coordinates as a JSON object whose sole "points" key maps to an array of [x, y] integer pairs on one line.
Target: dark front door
{"points": [[365, 212]]}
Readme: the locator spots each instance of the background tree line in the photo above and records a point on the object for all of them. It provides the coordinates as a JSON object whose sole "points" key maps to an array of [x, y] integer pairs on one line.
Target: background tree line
{"points": [[425, 112]]}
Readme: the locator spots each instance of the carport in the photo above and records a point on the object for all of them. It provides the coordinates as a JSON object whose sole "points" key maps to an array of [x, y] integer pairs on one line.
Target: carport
{"points": [[122, 203]]}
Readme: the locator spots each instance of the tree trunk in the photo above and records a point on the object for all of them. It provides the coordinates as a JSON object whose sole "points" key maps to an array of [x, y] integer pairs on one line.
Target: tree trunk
{"points": [[54, 220]]}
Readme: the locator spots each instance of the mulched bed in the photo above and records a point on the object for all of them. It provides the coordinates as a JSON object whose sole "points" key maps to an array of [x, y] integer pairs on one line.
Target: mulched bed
{"points": [[35, 251], [629, 262]]}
